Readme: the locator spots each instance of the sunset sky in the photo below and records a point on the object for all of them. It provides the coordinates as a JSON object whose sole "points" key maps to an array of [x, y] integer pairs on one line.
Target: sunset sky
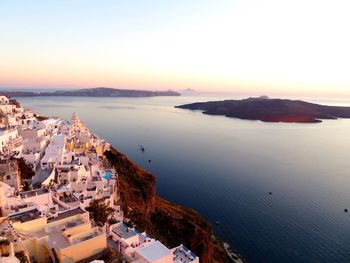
{"points": [[269, 47]]}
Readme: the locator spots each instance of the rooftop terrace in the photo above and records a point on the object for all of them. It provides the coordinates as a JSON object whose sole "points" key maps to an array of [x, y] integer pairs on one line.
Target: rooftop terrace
{"points": [[73, 212], [57, 236], [68, 199], [124, 231], [154, 251], [183, 255], [33, 193], [26, 216]]}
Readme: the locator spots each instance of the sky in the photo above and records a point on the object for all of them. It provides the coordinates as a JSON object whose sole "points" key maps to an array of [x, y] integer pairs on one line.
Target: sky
{"points": [[239, 46]]}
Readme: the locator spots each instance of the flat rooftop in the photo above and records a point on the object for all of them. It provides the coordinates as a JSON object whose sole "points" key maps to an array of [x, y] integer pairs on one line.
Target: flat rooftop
{"points": [[26, 216], [183, 255], [56, 237], [69, 199], [89, 236], [124, 231], [154, 251], [33, 193], [96, 178], [56, 231], [73, 212]]}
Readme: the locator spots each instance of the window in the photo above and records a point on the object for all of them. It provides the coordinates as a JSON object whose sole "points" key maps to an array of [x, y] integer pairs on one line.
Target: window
{"points": [[8, 177]]}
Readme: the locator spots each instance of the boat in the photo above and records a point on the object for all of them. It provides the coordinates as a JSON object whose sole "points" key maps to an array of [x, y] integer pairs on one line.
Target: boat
{"points": [[233, 254], [141, 148]]}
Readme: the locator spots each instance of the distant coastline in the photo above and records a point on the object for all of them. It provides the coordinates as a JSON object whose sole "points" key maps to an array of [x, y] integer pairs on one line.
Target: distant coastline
{"points": [[93, 92], [271, 110]]}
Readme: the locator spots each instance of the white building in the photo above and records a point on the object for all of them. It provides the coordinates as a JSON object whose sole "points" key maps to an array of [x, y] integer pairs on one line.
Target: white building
{"points": [[51, 125], [154, 252], [5, 192], [181, 254], [10, 141], [35, 141], [4, 100], [64, 128], [9, 173], [42, 197], [32, 130], [54, 152], [5, 105]]}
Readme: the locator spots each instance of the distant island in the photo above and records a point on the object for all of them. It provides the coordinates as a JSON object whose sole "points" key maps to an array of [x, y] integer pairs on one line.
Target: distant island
{"points": [[270, 110], [94, 92], [188, 90]]}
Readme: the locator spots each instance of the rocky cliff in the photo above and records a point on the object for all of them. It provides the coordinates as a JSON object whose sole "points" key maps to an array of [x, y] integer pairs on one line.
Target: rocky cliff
{"points": [[170, 223]]}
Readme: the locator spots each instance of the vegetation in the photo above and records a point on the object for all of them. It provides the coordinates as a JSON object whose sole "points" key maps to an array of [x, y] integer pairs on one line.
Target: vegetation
{"points": [[26, 184], [25, 169], [167, 226], [26, 173], [99, 211], [137, 179], [4, 248], [111, 256], [22, 257]]}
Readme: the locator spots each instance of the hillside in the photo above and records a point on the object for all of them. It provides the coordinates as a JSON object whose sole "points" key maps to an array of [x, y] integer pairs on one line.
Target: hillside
{"points": [[170, 223], [94, 92]]}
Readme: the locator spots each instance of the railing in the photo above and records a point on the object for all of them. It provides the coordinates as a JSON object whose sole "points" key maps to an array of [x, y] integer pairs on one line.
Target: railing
{"points": [[16, 142]]}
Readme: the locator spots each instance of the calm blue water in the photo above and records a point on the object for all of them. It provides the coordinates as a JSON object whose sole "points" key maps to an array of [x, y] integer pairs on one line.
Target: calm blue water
{"points": [[225, 169]]}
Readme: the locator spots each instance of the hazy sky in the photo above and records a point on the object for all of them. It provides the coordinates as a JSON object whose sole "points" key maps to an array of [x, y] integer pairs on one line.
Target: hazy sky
{"points": [[296, 47]]}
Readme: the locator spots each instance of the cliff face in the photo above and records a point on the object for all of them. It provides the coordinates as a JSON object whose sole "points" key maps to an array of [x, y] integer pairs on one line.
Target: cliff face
{"points": [[170, 223]]}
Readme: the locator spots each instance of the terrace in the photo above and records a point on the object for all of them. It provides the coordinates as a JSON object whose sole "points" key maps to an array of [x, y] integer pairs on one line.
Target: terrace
{"points": [[21, 207], [123, 231], [184, 255], [57, 236], [94, 233], [154, 252], [26, 216], [91, 188], [96, 179], [69, 213], [34, 193], [68, 199], [15, 142]]}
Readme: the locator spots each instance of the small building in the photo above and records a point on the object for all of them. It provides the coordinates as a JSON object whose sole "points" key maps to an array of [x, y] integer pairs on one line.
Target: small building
{"points": [[9, 172], [5, 105], [10, 142], [126, 236], [4, 121], [4, 100], [54, 152], [155, 252], [182, 254], [59, 239], [5, 192], [41, 197]]}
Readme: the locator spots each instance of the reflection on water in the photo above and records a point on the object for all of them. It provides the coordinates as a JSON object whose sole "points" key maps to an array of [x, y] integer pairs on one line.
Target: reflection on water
{"points": [[225, 168]]}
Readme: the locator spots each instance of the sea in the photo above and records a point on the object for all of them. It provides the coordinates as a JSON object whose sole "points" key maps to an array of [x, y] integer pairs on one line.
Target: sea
{"points": [[276, 192]]}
